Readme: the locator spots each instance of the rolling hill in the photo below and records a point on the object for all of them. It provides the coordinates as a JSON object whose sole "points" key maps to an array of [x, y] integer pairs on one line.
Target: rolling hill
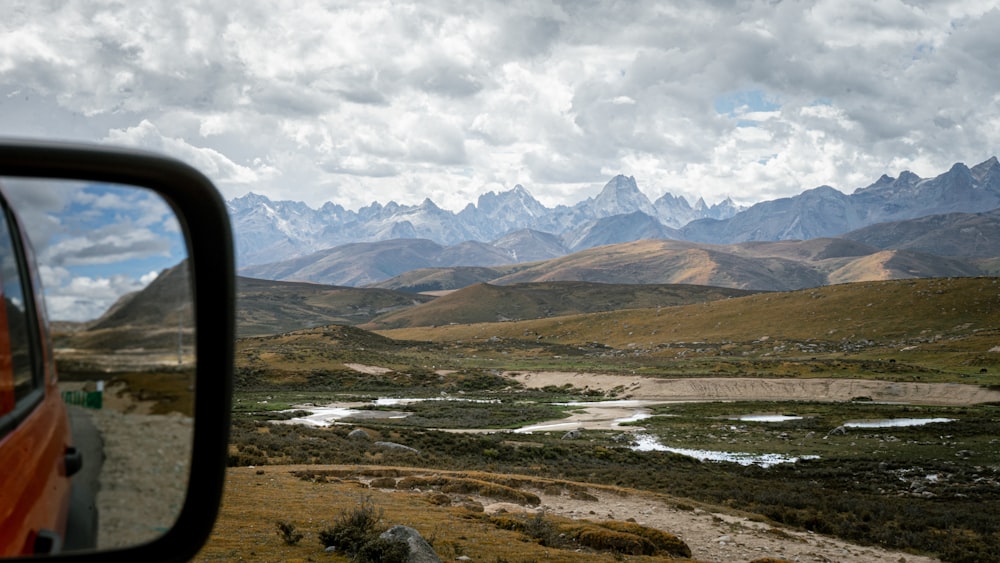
{"points": [[155, 318], [758, 266], [491, 303], [918, 311], [953, 234], [270, 307]]}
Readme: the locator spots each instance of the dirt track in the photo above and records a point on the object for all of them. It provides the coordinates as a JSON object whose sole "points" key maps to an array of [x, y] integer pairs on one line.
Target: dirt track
{"points": [[760, 389]]}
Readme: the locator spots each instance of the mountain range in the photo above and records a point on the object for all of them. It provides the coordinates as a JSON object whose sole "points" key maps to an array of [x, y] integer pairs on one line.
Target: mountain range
{"points": [[265, 229], [940, 217]]}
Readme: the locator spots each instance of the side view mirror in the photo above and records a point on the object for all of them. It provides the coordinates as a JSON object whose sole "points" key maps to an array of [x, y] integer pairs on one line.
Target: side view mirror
{"points": [[153, 340]]}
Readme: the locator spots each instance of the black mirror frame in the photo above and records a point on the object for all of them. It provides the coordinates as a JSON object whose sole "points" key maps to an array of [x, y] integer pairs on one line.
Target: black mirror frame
{"points": [[202, 215]]}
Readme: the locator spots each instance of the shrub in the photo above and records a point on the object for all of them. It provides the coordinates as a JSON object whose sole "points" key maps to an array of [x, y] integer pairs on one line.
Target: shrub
{"points": [[380, 550], [664, 542], [383, 483], [603, 539], [354, 527], [288, 533], [438, 499]]}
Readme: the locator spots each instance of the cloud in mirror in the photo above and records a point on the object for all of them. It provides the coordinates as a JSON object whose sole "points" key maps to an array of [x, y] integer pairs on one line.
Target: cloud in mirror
{"points": [[95, 242]]}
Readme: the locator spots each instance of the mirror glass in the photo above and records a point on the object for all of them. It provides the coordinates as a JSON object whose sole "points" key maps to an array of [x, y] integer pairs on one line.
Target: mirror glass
{"points": [[115, 283]]}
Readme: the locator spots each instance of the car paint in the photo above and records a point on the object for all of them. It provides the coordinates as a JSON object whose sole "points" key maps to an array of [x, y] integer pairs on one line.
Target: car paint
{"points": [[34, 485]]}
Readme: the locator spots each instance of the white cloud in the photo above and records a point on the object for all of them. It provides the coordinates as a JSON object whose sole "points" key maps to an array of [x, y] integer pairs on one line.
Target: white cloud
{"points": [[395, 101], [86, 298]]}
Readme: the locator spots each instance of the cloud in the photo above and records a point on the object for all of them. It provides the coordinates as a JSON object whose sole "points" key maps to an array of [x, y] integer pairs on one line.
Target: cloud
{"points": [[94, 243], [84, 298], [315, 101]]}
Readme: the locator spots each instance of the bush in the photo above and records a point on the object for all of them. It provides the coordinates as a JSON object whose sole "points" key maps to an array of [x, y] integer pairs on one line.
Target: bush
{"points": [[664, 542], [288, 533], [383, 483], [604, 539], [354, 528], [380, 550]]}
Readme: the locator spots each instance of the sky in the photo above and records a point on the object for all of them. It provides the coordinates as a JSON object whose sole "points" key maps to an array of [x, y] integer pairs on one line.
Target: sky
{"points": [[94, 243], [355, 102]]}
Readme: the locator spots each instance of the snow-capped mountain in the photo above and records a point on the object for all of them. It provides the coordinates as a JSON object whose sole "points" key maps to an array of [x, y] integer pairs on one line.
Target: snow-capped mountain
{"points": [[521, 228], [267, 229], [826, 212]]}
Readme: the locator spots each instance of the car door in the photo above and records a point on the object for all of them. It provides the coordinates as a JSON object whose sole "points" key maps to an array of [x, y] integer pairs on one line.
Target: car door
{"points": [[34, 429]]}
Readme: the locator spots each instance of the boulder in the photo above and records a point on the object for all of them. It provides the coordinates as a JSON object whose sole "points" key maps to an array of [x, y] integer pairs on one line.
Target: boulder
{"points": [[420, 550], [358, 434], [395, 446]]}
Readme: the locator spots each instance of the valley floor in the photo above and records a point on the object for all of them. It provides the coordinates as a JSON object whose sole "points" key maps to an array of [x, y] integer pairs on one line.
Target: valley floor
{"points": [[246, 528]]}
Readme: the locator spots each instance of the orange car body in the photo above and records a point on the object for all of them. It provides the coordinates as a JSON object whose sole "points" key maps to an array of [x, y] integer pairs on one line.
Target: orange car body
{"points": [[35, 434]]}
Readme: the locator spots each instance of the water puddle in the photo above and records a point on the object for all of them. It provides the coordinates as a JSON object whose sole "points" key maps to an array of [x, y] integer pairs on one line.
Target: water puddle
{"points": [[647, 443], [894, 422], [766, 418], [329, 415]]}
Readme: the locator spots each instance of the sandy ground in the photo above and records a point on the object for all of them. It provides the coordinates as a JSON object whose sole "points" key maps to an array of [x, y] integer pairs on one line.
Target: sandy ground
{"points": [[717, 536], [761, 389]]}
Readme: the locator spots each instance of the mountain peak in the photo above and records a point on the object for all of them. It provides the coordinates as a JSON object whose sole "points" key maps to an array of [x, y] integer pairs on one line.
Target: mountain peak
{"points": [[981, 170], [621, 195], [248, 201], [621, 183]]}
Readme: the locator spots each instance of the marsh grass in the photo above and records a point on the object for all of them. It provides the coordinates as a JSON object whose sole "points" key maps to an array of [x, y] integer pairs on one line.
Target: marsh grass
{"points": [[933, 488], [245, 529]]}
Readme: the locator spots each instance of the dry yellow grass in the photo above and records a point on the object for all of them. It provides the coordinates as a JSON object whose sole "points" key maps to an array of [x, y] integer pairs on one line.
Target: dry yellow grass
{"points": [[257, 498], [871, 310]]}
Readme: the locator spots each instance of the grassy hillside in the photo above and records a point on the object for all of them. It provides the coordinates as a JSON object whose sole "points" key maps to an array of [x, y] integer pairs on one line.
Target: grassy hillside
{"points": [[763, 266], [272, 307], [438, 279], [904, 311], [489, 303], [905, 330]]}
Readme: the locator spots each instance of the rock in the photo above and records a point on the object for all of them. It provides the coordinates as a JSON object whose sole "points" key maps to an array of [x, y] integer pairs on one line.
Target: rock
{"points": [[358, 434], [473, 506], [395, 446], [508, 508], [571, 435], [420, 550]]}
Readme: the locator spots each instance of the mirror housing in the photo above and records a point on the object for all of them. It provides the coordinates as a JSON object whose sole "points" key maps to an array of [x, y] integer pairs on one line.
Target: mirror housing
{"points": [[204, 221]]}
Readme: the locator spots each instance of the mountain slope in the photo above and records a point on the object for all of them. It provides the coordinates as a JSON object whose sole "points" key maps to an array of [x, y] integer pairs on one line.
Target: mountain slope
{"points": [[272, 307], [952, 234], [669, 262], [491, 303], [824, 212], [365, 263], [829, 318], [154, 318]]}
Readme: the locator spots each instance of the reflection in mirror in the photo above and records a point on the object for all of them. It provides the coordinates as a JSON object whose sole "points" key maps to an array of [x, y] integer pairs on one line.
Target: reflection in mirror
{"points": [[112, 261]]}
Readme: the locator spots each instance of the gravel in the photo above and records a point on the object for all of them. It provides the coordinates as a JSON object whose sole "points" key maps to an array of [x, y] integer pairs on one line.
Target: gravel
{"points": [[143, 479]]}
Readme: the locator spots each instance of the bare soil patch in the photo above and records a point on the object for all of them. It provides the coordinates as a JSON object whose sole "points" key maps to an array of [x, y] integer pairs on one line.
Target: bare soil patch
{"points": [[760, 389]]}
